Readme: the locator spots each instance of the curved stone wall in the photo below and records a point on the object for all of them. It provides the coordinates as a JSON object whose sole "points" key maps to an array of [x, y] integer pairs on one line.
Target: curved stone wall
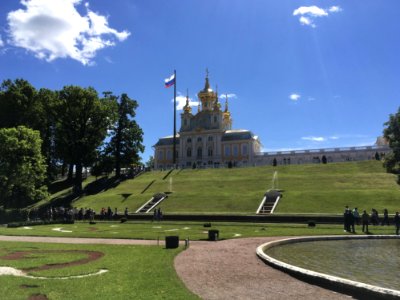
{"points": [[358, 289]]}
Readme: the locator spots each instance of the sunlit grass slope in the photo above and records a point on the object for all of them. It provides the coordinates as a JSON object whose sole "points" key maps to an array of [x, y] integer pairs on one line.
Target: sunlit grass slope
{"points": [[131, 193], [312, 188]]}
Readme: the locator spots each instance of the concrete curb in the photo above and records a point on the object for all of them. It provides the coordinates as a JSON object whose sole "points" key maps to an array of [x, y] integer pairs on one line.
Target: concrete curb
{"points": [[354, 288]]}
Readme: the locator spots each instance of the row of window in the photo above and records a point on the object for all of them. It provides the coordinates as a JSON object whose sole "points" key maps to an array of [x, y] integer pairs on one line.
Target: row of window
{"points": [[199, 152], [229, 150], [186, 121], [233, 150], [199, 139], [162, 156]]}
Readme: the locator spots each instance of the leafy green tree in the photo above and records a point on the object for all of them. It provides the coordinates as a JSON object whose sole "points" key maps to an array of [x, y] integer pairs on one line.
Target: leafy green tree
{"points": [[126, 135], [17, 103], [324, 159], [274, 162], [392, 135], [22, 104], [83, 120], [22, 167], [46, 122], [150, 162]]}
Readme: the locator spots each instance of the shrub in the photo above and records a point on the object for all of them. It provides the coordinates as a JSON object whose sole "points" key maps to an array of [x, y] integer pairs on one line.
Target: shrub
{"points": [[207, 225], [123, 220]]}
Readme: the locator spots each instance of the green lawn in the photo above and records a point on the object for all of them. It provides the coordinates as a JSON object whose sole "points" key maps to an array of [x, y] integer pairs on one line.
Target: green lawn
{"points": [[134, 272], [191, 230], [311, 188]]}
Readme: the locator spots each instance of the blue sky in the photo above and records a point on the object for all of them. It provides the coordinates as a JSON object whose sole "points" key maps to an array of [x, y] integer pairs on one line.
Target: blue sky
{"points": [[302, 74]]}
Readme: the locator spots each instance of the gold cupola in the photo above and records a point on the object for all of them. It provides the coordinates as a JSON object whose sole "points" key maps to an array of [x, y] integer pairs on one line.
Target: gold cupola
{"points": [[217, 105], [227, 120], [207, 96], [187, 109]]}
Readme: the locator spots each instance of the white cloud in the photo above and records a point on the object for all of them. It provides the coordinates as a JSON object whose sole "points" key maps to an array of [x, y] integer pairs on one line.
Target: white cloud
{"points": [[306, 21], [1, 42], [294, 97], [229, 95], [54, 29], [334, 9], [334, 137], [181, 101], [309, 13], [314, 11], [314, 138]]}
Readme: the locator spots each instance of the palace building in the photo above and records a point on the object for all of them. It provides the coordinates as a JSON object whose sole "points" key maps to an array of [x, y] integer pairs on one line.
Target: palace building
{"points": [[206, 139]]}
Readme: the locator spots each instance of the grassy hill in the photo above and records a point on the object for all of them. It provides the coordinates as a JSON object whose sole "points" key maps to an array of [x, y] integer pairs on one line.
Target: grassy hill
{"points": [[313, 188]]}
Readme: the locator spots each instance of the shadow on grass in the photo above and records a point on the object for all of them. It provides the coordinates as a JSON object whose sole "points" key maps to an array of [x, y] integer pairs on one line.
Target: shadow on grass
{"points": [[125, 196], [59, 185], [101, 185], [68, 197]]}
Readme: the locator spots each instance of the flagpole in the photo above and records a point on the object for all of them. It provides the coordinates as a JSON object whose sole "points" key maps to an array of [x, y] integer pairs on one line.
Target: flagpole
{"points": [[174, 139]]}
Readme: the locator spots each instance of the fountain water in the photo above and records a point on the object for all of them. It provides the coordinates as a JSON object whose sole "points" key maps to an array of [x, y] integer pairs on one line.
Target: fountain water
{"points": [[275, 181], [170, 184]]}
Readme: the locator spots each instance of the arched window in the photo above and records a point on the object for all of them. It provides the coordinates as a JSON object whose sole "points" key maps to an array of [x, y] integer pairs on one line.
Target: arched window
{"points": [[210, 138], [235, 150], [189, 152], [227, 151], [199, 139], [210, 152], [189, 140], [244, 149], [199, 152]]}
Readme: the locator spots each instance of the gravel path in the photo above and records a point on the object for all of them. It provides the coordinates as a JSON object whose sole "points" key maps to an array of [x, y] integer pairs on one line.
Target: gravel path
{"points": [[231, 270], [219, 270]]}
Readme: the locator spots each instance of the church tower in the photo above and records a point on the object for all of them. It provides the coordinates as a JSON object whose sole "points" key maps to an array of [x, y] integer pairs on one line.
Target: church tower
{"points": [[186, 116], [207, 96], [227, 119]]}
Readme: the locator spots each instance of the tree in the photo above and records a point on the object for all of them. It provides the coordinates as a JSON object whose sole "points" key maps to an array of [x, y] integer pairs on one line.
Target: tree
{"points": [[126, 135], [274, 162], [324, 160], [150, 162], [18, 104], [22, 104], [83, 123], [22, 167], [392, 135]]}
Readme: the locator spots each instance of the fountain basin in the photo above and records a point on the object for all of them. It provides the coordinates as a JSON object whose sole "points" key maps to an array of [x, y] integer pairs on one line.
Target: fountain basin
{"points": [[283, 254]]}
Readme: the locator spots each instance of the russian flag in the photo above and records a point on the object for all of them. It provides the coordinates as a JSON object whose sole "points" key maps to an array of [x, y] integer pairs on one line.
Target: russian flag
{"points": [[170, 81]]}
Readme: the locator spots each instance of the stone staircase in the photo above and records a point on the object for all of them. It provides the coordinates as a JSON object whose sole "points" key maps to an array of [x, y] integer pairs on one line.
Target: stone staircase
{"points": [[153, 202], [269, 202]]}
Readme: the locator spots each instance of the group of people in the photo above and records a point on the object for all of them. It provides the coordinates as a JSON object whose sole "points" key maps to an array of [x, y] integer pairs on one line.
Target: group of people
{"points": [[353, 217], [70, 214], [157, 214]]}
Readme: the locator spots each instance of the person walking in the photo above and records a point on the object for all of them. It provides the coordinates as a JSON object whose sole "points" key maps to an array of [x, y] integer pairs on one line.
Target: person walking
{"points": [[397, 222], [356, 216], [385, 220], [365, 220], [346, 219]]}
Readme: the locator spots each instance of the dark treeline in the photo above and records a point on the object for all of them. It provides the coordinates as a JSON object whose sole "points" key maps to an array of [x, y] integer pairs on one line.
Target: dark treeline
{"points": [[68, 128]]}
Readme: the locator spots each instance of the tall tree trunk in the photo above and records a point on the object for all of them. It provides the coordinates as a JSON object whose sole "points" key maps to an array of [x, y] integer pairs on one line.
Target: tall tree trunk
{"points": [[63, 167], [78, 179], [118, 153], [70, 172]]}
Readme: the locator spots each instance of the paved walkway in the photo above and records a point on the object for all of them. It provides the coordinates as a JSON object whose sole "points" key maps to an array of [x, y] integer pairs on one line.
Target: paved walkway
{"points": [[227, 269]]}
